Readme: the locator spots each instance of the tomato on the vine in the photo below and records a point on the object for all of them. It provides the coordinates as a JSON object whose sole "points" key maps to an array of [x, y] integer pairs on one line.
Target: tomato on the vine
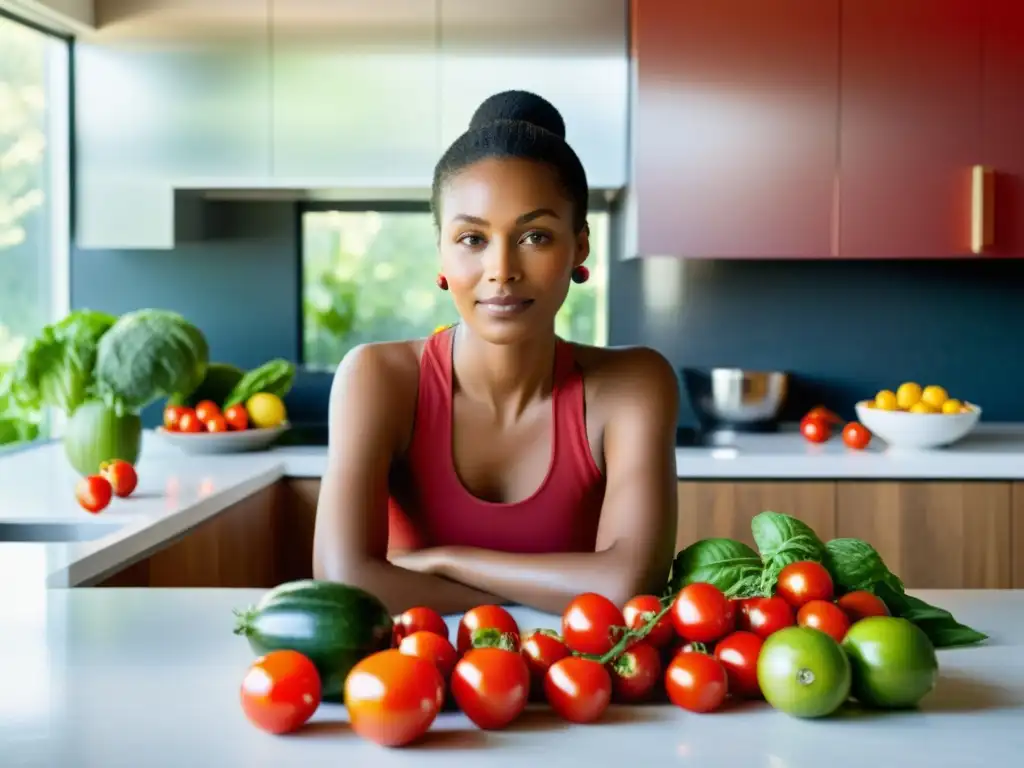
{"points": [[641, 609], [814, 429], [93, 493], [696, 682], [419, 619], [636, 673], [485, 617], [392, 699], [280, 691], [702, 613], [591, 624], [121, 475], [541, 649], [432, 647], [491, 686], [856, 436], [825, 616], [803, 581], [738, 653], [578, 689], [767, 615], [861, 604]]}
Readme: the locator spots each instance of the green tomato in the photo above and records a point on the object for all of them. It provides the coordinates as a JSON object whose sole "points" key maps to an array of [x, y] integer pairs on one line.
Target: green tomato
{"points": [[803, 672], [893, 661]]}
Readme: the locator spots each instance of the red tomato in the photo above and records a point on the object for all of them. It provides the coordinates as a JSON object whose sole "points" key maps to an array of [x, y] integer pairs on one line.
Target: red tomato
{"points": [[814, 429], [861, 604], [592, 624], [206, 410], [738, 653], [172, 414], [578, 689], [392, 699], [742, 607], [432, 647], [485, 617], [237, 417], [189, 422], [419, 619], [801, 582], [121, 475], [216, 423], [280, 692], [541, 650], [491, 686], [824, 414], [642, 609], [93, 493], [702, 613], [768, 615], [825, 616], [856, 436], [636, 673], [696, 681]]}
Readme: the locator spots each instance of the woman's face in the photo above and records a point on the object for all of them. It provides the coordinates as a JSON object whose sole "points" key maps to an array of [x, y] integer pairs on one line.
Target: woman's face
{"points": [[507, 247]]}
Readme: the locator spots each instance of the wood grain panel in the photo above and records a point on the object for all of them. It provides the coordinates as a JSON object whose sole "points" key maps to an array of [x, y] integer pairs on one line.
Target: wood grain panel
{"points": [[296, 522], [708, 509], [1017, 535], [934, 535]]}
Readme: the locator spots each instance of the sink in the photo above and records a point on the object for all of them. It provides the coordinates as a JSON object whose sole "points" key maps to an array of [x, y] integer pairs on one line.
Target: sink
{"points": [[55, 532]]}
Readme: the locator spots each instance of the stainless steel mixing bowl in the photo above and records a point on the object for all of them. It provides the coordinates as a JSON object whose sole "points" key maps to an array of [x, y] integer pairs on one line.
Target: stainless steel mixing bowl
{"points": [[733, 397]]}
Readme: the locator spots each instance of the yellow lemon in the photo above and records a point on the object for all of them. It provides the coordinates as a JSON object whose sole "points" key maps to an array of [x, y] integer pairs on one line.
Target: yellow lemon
{"points": [[265, 410], [922, 407], [934, 395], [952, 406], [908, 394], [886, 400]]}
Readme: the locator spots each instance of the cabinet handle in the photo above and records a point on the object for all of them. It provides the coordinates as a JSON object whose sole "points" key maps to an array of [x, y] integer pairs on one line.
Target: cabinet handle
{"points": [[982, 189]]}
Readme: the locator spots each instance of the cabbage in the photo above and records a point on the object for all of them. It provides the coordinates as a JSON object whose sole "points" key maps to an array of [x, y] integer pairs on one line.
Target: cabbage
{"points": [[149, 354]]}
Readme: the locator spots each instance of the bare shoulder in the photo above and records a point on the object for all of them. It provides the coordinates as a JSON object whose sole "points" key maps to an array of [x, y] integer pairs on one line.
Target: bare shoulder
{"points": [[631, 377]]}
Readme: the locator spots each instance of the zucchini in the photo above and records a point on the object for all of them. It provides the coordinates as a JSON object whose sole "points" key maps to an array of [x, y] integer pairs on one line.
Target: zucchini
{"points": [[334, 625]]}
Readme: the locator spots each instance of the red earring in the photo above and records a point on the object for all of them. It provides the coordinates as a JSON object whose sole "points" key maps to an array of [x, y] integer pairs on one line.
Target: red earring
{"points": [[442, 282], [580, 274]]}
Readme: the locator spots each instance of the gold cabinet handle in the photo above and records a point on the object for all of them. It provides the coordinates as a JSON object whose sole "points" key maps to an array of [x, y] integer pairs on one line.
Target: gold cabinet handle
{"points": [[982, 190]]}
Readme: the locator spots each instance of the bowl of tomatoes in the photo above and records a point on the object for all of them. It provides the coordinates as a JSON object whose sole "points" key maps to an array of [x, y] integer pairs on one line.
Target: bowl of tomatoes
{"points": [[208, 429]]}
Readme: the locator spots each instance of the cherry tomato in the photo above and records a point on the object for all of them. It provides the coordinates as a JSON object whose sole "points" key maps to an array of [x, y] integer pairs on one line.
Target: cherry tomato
{"points": [[768, 615], [679, 645], [696, 682], [861, 604], [432, 647], [801, 582], [172, 414], [578, 689], [485, 617], [189, 422], [419, 619], [121, 475], [280, 691], [856, 436], [824, 414], [636, 673], [392, 699], [592, 623], [742, 607], [540, 650], [206, 410], [237, 417], [815, 430], [93, 493], [216, 423], [642, 609], [491, 686], [702, 613], [738, 653], [825, 616]]}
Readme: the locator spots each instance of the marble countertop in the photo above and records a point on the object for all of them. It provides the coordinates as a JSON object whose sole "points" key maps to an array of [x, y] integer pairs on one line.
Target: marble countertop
{"points": [[111, 677]]}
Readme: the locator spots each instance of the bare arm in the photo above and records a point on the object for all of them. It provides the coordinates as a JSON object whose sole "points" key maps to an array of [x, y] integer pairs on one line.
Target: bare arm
{"points": [[637, 534], [371, 405]]}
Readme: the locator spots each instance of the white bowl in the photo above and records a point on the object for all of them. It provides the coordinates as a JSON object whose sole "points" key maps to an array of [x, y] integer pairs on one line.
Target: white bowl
{"points": [[223, 442], [917, 431]]}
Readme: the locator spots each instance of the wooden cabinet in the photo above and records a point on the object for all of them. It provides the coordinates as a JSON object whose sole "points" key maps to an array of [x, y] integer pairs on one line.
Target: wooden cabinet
{"points": [[735, 128], [1017, 540]]}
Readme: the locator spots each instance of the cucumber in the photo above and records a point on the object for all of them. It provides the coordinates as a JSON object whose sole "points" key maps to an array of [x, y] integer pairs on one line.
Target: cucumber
{"points": [[335, 625]]}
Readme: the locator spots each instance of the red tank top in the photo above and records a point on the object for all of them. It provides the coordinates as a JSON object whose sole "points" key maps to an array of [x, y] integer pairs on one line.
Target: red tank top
{"points": [[437, 510]]}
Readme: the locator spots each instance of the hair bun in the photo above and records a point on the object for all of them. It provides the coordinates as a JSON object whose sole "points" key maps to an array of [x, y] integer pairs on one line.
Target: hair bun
{"points": [[522, 106]]}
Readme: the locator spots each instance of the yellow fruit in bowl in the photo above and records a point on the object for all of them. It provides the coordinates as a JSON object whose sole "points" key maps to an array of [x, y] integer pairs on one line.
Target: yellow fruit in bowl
{"points": [[908, 395], [922, 407], [934, 395], [265, 410], [953, 406], [886, 400]]}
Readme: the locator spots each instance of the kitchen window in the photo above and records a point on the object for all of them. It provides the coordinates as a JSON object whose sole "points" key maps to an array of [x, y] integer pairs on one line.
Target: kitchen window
{"points": [[34, 195], [368, 275]]}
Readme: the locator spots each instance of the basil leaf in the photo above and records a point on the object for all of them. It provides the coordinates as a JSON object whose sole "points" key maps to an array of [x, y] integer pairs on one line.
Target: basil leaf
{"points": [[782, 539], [730, 565], [942, 629], [854, 564]]}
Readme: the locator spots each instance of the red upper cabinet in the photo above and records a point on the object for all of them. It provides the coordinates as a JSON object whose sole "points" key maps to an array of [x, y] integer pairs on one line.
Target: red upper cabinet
{"points": [[910, 126], [1003, 123], [736, 127]]}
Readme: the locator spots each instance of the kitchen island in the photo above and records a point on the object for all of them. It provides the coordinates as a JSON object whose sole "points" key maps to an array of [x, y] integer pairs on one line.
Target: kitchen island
{"points": [[135, 677]]}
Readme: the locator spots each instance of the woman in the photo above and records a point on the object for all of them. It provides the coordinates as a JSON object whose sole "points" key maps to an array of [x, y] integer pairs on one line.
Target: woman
{"points": [[494, 462]]}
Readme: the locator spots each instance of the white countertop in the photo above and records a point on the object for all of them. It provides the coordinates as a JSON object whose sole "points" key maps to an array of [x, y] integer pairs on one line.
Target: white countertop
{"points": [[133, 678]]}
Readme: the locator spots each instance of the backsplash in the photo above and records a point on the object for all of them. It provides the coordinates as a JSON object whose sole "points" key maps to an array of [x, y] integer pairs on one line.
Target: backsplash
{"points": [[841, 329]]}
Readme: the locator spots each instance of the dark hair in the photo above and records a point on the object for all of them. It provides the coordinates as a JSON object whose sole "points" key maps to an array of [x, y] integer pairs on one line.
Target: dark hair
{"points": [[516, 124]]}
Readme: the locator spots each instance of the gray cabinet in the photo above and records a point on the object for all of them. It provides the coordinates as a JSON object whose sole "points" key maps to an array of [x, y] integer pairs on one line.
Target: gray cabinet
{"points": [[572, 52], [355, 92]]}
